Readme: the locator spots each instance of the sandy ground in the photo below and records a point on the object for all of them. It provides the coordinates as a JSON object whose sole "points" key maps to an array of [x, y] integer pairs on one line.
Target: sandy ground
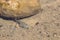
{"points": [[43, 26]]}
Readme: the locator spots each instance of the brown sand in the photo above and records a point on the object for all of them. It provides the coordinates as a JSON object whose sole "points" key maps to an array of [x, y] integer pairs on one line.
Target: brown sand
{"points": [[43, 26]]}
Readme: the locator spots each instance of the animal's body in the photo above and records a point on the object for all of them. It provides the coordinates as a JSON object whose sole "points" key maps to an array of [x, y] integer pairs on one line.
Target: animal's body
{"points": [[16, 9]]}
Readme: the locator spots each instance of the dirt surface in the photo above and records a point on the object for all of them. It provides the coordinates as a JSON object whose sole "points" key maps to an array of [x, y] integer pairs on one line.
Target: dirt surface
{"points": [[43, 26]]}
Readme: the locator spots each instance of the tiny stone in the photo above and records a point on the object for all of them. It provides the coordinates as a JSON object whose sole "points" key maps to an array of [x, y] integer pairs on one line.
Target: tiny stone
{"points": [[37, 23], [54, 34], [48, 35]]}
